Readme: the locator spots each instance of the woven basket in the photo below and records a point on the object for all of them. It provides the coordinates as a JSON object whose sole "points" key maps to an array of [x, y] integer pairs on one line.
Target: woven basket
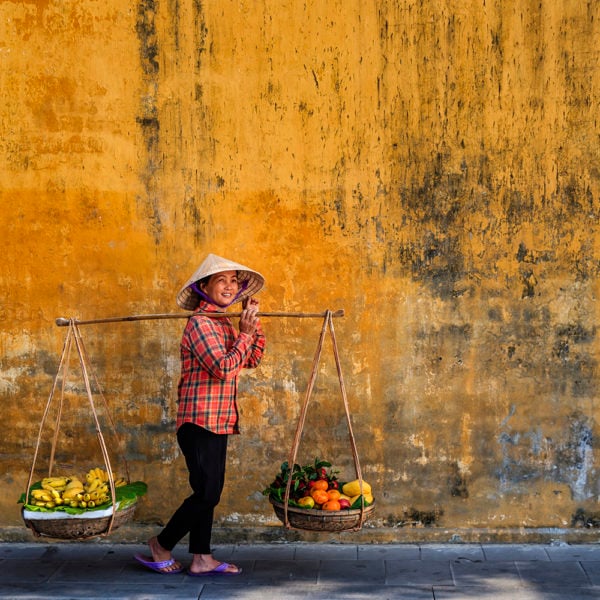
{"points": [[78, 529], [321, 520]]}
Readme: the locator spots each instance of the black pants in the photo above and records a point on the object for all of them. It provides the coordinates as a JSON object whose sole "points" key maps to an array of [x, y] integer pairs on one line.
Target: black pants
{"points": [[205, 455]]}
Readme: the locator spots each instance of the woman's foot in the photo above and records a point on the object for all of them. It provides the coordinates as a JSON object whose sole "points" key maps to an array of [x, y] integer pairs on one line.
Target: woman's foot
{"points": [[159, 554], [206, 563]]}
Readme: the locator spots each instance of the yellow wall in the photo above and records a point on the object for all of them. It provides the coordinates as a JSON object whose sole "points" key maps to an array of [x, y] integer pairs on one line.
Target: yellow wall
{"points": [[431, 168]]}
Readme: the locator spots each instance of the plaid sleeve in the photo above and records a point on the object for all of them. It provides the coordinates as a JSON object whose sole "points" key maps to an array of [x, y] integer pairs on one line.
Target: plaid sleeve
{"points": [[257, 349], [217, 348]]}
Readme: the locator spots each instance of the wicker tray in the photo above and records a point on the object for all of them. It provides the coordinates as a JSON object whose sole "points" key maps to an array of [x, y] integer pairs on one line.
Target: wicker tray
{"points": [[78, 529], [321, 520]]}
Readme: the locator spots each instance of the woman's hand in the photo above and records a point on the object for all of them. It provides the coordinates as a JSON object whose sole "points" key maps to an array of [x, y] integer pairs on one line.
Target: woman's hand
{"points": [[248, 318]]}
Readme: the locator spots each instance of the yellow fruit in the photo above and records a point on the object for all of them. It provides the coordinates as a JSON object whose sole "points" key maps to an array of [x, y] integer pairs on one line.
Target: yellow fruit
{"points": [[352, 488], [306, 502], [74, 483], [92, 485], [71, 493], [42, 495], [55, 482]]}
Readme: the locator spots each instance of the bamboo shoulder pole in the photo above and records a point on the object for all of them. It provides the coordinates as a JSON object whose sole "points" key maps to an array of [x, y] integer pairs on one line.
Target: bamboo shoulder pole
{"points": [[63, 322]]}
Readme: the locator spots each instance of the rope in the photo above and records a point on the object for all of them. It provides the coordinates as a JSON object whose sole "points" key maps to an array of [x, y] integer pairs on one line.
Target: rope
{"points": [[327, 324], [74, 336]]}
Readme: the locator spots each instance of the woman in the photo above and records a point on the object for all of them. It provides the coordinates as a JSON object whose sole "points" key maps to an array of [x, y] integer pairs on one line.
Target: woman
{"points": [[212, 356]]}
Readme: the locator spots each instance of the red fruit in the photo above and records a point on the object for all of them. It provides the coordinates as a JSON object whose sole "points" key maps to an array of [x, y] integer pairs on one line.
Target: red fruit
{"points": [[344, 504]]}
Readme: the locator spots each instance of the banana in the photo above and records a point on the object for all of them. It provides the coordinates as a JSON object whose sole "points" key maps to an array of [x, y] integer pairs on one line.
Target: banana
{"points": [[71, 493], [74, 483], [55, 482], [41, 495], [90, 487]]}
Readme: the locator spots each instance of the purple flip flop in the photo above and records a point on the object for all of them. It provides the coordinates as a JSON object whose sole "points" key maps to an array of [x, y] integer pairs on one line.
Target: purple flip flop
{"points": [[158, 567], [219, 570]]}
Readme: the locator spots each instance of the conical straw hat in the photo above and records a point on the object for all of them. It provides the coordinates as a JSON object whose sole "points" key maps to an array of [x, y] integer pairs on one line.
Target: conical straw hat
{"points": [[250, 281]]}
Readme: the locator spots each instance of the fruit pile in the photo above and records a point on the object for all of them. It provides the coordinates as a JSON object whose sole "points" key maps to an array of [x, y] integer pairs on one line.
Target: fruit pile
{"points": [[52, 492], [316, 486]]}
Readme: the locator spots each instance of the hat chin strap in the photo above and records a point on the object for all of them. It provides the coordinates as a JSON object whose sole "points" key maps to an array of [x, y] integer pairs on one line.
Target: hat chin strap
{"points": [[206, 297]]}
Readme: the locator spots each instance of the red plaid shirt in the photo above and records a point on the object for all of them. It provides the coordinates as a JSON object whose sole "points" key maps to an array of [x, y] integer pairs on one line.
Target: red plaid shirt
{"points": [[213, 354]]}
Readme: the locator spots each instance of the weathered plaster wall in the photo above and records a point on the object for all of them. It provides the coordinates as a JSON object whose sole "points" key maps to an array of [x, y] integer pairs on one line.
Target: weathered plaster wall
{"points": [[432, 168]]}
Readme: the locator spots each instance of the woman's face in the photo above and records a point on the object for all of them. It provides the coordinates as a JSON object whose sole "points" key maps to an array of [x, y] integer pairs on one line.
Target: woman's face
{"points": [[222, 287]]}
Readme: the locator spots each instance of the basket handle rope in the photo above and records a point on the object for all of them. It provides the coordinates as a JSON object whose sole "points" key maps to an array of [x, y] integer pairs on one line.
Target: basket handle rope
{"points": [[62, 366], [327, 324], [74, 335]]}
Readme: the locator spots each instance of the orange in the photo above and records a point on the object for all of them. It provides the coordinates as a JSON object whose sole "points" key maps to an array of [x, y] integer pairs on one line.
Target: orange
{"points": [[320, 496], [320, 484], [333, 494], [332, 505]]}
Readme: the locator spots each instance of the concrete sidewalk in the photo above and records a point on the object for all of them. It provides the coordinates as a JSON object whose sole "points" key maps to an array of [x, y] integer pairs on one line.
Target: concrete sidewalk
{"points": [[307, 570]]}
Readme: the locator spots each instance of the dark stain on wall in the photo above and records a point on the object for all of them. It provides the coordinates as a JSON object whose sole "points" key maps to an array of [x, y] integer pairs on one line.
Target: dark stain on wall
{"points": [[146, 32], [457, 483], [586, 519], [441, 264], [573, 366], [416, 517], [200, 31], [148, 119]]}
